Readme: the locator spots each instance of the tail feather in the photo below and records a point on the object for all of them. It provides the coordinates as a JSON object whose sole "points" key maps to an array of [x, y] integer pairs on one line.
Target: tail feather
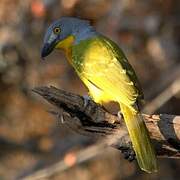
{"points": [[140, 138]]}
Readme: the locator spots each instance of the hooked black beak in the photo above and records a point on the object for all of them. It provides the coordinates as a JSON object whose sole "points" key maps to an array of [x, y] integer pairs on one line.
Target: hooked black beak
{"points": [[47, 49]]}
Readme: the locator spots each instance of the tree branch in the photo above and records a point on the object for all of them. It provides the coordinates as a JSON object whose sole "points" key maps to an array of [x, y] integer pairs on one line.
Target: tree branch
{"points": [[93, 120]]}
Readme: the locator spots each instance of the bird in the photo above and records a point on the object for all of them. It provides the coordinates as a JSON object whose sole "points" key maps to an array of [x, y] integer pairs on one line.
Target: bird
{"points": [[104, 69]]}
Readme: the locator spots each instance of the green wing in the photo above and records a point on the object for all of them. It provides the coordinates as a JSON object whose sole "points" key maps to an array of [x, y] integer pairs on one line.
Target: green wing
{"points": [[100, 61], [125, 64]]}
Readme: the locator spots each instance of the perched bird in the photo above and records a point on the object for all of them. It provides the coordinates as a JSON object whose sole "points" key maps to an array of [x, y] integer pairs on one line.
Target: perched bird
{"points": [[105, 70]]}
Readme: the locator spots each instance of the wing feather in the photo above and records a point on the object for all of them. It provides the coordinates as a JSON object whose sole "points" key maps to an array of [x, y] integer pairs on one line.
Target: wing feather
{"points": [[103, 64]]}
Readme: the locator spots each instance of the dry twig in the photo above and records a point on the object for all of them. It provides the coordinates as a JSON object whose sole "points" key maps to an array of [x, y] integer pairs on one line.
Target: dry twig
{"points": [[94, 120]]}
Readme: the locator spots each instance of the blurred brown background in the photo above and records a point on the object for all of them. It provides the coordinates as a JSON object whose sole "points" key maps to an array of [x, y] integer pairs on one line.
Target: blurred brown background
{"points": [[30, 138]]}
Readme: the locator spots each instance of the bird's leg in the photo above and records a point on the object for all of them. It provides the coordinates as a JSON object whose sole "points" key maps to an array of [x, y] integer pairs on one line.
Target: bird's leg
{"points": [[120, 115], [86, 99]]}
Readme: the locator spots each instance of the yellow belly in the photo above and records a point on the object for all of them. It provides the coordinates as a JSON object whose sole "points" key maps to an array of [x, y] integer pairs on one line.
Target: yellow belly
{"points": [[98, 95]]}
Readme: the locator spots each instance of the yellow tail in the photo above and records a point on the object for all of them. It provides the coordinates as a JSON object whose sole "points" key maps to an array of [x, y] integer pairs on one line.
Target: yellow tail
{"points": [[141, 142]]}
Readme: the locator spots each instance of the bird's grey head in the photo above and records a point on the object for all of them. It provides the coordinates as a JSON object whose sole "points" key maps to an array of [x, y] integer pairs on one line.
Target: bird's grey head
{"points": [[62, 29]]}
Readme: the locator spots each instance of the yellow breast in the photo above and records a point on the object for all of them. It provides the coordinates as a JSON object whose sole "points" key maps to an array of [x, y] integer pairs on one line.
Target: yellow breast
{"points": [[66, 45]]}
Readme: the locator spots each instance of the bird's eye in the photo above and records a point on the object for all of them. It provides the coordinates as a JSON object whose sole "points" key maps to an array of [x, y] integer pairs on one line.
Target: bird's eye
{"points": [[56, 30]]}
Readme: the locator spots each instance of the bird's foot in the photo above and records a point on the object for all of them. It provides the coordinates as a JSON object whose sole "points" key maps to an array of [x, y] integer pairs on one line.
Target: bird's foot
{"points": [[86, 100], [120, 115]]}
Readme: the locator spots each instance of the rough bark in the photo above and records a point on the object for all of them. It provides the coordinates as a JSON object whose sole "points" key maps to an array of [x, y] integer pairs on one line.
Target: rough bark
{"points": [[93, 120]]}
